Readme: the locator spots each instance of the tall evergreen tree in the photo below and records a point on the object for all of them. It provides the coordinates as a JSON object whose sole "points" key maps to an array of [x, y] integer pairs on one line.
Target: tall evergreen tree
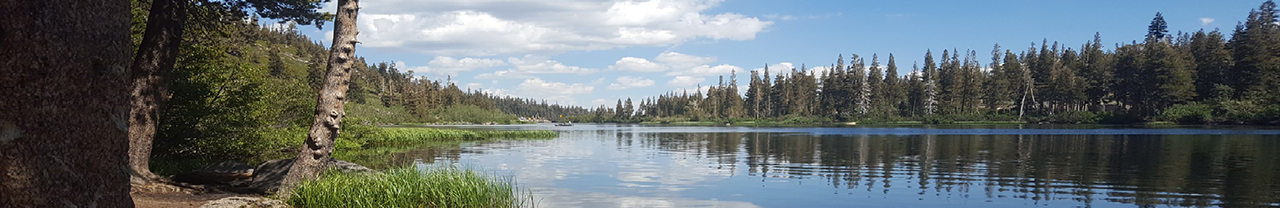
{"points": [[930, 88], [1213, 65], [875, 79], [1158, 30], [1257, 55], [893, 88], [1097, 72]]}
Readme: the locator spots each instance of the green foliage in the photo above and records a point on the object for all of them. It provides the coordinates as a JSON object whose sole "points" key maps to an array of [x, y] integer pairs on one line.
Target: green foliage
{"points": [[936, 119], [375, 113], [469, 114], [1189, 113], [218, 108], [1074, 117], [797, 119], [1118, 118], [410, 187], [407, 135]]}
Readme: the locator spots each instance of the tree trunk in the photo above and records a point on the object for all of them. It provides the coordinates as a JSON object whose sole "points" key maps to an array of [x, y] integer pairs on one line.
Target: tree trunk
{"points": [[151, 68], [63, 103], [324, 129]]}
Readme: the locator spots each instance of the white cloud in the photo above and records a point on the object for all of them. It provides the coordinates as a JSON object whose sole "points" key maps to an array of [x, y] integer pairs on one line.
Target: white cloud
{"points": [[685, 81], [524, 68], [449, 66], [1206, 20], [637, 65], [776, 69], [784, 68], [558, 92], [680, 61], [503, 27], [625, 82], [663, 62], [779, 17], [474, 86], [706, 70]]}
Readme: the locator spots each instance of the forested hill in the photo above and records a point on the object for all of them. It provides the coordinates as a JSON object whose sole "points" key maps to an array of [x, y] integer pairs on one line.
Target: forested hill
{"points": [[1191, 78], [241, 87]]}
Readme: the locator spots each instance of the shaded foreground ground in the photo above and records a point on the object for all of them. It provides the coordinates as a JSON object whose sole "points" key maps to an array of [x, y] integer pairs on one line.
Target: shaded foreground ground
{"points": [[177, 199]]}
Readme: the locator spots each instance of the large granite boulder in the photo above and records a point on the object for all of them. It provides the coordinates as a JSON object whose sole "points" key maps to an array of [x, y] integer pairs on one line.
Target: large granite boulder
{"points": [[267, 176]]}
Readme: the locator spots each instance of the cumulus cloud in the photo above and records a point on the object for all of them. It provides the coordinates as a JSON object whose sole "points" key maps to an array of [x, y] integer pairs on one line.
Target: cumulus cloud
{"points": [[683, 61], [706, 70], [637, 65], [1206, 20], [553, 91], [503, 27], [524, 68], [450, 66], [685, 81], [625, 82]]}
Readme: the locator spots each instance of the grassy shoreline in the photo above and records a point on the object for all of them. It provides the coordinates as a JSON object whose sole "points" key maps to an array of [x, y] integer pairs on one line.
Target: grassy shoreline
{"points": [[441, 186], [407, 185]]}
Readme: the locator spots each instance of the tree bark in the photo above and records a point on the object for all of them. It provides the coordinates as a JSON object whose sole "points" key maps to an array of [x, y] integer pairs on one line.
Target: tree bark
{"points": [[151, 67], [64, 103], [324, 129]]}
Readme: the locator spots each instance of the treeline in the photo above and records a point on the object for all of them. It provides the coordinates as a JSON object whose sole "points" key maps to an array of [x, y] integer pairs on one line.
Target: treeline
{"points": [[241, 89], [1195, 78]]}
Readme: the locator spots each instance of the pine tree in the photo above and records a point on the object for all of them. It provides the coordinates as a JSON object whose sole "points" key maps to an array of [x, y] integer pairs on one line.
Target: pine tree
{"points": [[1173, 70], [930, 88], [915, 92], [893, 88], [754, 96], [1213, 65], [875, 86], [996, 88], [861, 90], [1257, 55], [973, 79], [627, 110], [1131, 78], [1159, 30], [1098, 71]]}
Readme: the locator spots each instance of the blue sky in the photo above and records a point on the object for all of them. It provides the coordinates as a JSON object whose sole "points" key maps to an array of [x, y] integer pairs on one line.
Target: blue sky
{"points": [[593, 52]]}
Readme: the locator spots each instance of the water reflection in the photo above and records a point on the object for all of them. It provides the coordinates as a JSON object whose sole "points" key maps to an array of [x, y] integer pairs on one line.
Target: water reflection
{"points": [[634, 166]]}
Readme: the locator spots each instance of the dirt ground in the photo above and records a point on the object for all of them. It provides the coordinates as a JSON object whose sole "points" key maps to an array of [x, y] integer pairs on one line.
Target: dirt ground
{"points": [[175, 199]]}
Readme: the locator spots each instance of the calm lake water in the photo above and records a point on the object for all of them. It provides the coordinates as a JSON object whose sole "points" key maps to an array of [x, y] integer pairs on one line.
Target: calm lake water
{"points": [[963, 166]]}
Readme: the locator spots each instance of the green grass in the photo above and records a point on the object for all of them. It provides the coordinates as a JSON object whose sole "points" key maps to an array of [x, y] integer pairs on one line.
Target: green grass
{"points": [[384, 136], [410, 187]]}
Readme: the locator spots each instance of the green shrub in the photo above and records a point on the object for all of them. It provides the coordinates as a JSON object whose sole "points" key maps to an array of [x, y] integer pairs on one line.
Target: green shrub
{"points": [[936, 119], [1074, 117], [1118, 118], [1240, 112], [469, 114], [410, 187], [420, 135], [1189, 113], [795, 119]]}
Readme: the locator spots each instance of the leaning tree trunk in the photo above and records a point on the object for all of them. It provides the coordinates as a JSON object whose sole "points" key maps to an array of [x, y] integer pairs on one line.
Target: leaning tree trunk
{"points": [[324, 129], [151, 68], [64, 103]]}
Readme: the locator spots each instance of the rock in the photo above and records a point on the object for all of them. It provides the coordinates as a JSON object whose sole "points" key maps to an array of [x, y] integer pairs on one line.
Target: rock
{"points": [[223, 173], [267, 177], [246, 202]]}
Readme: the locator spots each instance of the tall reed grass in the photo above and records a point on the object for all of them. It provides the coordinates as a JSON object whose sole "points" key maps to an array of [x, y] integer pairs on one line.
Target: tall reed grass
{"points": [[444, 186]]}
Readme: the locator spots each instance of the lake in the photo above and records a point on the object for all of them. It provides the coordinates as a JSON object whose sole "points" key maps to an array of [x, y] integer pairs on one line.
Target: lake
{"points": [[622, 165]]}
